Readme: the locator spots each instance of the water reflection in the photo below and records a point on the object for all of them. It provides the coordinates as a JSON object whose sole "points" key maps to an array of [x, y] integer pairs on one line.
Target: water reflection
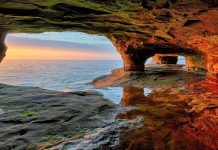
{"points": [[134, 95], [112, 93], [117, 94], [181, 118]]}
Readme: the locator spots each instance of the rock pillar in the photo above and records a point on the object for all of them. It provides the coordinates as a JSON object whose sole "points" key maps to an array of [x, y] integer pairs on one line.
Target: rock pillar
{"points": [[133, 62], [3, 47], [133, 57]]}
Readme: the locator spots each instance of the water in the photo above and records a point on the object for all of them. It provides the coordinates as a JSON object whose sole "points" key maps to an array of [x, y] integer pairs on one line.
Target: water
{"points": [[116, 93], [112, 93], [62, 75], [55, 74]]}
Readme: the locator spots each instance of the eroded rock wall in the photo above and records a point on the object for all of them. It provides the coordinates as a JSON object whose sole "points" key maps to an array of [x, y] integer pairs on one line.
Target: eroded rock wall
{"points": [[182, 27], [188, 31], [3, 47]]}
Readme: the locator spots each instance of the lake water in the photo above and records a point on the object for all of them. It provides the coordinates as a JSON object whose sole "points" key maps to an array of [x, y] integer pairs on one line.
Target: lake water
{"points": [[62, 75], [55, 74]]}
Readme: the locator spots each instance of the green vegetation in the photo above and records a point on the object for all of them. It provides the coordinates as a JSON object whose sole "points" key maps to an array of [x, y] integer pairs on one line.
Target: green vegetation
{"points": [[79, 15], [50, 139], [125, 22], [108, 18], [28, 113]]}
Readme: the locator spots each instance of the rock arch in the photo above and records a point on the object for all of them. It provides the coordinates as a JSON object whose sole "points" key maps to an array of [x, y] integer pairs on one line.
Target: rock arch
{"points": [[187, 28], [134, 54]]}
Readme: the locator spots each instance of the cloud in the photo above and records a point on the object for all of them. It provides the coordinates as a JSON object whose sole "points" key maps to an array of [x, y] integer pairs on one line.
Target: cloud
{"points": [[28, 45]]}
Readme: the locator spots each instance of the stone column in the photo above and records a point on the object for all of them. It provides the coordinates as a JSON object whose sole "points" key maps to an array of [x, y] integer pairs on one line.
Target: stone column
{"points": [[3, 47], [133, 62], [132, 55]]}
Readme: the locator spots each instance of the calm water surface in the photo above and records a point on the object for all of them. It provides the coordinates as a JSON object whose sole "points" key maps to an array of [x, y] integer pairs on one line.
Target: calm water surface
{"points": [[62, 75], [55, 74]]}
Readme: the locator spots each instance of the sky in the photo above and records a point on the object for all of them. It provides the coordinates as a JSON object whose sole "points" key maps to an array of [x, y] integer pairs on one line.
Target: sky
{"points": [[60, 45]]}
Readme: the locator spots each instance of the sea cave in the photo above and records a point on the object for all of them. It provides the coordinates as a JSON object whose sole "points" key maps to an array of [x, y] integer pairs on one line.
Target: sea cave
{"points": [[166, 90]]}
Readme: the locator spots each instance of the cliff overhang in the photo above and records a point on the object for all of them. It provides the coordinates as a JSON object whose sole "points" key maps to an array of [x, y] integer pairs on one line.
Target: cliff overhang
{"points": [[168, 29]]}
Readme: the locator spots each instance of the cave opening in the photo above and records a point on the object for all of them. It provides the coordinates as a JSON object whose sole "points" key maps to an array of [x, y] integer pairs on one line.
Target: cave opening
{"points": [[134, 59], [148, 61], [160, 59], [56, 60], [181, 60]]}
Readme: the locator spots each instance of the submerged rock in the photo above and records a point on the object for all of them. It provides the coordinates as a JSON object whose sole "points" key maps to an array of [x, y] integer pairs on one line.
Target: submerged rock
{"points": [[180, 111]]}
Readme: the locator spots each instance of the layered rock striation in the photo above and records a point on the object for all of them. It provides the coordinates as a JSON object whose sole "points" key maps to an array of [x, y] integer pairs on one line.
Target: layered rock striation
{"points": [[167, 27]]}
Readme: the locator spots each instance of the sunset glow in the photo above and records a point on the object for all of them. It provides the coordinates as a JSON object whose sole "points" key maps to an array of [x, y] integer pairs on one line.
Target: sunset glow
{"points": [[33, 48], [16, 51]]}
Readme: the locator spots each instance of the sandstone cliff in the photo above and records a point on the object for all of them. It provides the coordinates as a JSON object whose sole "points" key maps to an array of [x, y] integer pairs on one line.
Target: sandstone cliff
{"points": [[166, 27]]}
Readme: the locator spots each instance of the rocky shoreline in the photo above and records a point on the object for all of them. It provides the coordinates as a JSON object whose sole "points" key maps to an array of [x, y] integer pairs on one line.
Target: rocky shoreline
{"points": [[178, 112], [34, 118], [153, 76]]}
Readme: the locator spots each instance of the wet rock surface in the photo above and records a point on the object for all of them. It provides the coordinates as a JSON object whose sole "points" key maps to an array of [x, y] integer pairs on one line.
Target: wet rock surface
{"points": [[34, 118], [180, 111], [109, 137], [153, 76]]}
